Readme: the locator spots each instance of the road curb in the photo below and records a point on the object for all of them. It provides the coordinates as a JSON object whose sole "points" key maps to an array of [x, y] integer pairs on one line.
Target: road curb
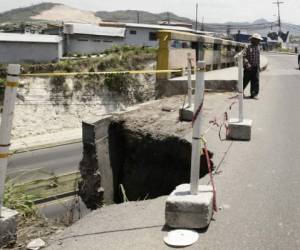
{"points": [[25, 148], [281, 53]]}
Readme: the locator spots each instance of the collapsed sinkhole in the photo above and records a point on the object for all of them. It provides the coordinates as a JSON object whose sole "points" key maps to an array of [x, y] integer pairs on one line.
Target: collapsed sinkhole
{"points": [[144, 165]]}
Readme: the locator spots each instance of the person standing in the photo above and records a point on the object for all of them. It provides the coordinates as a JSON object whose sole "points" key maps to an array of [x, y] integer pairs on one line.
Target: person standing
{"points": [[297, 52], [252, 65]]}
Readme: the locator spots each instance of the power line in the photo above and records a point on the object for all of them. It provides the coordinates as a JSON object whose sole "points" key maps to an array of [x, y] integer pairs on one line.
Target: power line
{"points": [[202, 25], [196, 28], [278, 6]]}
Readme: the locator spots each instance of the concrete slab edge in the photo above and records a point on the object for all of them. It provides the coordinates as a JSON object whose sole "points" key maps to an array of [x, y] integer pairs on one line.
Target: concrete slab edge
{"points": [[23, 149], [8, 226]]}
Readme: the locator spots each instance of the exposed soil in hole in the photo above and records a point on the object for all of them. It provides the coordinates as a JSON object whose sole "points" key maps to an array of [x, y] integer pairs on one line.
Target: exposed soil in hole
{"points": [[148, 155], [148, 165], [90, 189]]}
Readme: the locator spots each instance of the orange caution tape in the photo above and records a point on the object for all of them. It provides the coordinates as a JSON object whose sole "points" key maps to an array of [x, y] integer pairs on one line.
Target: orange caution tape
{"points": [[4, 155], [12, 84]]}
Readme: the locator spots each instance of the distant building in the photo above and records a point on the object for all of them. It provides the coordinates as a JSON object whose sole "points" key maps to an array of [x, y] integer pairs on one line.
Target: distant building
{"points": [[53, 29], [242, 38], [245, 38], [89, 38], [177, 24], [30, 48], [86, 39], [145, 34]]}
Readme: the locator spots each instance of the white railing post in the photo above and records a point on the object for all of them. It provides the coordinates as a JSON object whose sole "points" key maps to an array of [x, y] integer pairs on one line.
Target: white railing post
{"points": [[12, 81], [189, 71], [241, 86], [196, 145]]}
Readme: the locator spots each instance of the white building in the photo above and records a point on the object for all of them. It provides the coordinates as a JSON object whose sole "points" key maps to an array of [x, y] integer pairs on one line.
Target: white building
{"points": [[145, 34], [29, 48], [89, 39]]}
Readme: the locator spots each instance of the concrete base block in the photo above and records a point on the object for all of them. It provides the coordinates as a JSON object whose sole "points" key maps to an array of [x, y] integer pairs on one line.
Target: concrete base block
{"points": [[184, 210], [239, 130], [186, 113], [8, 226]]}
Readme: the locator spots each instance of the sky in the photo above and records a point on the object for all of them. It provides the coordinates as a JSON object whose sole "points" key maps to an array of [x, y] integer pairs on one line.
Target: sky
{"points": [[212, 10]]}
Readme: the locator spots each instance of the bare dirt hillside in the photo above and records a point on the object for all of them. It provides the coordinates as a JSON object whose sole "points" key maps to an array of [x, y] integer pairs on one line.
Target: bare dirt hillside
{"points": [[67, 14]]}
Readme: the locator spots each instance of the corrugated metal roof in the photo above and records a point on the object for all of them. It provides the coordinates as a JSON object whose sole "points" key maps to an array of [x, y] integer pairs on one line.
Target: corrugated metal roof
{"points": [[89, 29], [29, 38], [168, 27]]}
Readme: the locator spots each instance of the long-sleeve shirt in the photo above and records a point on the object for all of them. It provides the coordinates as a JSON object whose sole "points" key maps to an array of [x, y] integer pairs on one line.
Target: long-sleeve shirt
{"points": [[252, 56]]}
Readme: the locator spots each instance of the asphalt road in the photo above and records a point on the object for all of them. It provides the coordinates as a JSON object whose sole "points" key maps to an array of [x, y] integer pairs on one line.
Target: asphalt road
{"points": [[260, 181], [257, 186], [45, 162]]}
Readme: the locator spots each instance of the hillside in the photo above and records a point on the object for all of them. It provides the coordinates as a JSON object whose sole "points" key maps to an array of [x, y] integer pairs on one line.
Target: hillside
{"points": [[48, 12], [261, 25], [144, 16], [65, 13], [51, 12], [24, 14]]}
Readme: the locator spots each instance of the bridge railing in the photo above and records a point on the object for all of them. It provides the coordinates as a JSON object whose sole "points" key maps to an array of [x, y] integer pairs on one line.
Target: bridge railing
{"points": [[174, 47]]}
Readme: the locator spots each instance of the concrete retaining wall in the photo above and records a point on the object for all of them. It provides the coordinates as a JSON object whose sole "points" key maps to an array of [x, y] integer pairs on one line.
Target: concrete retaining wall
{"points": [[62, 103]]}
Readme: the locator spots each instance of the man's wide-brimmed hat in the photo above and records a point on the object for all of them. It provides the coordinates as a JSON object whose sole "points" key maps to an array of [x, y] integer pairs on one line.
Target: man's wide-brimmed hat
{"points": [[256, 36]]}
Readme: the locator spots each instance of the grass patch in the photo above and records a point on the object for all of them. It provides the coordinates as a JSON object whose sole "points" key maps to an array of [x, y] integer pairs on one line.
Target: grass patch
{"points": [[52, 186], [125, 57], [22, 197], [16, 198]]}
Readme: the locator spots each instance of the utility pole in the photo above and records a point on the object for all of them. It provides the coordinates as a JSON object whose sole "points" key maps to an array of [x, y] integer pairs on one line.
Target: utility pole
{"points": [[228, 30], [279, 19], [138, 16], [196, 27], [202, 24], [168, 17]]}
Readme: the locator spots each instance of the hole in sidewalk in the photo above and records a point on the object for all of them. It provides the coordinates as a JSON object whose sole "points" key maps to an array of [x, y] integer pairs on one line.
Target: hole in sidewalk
{"points": [[144, 165]]}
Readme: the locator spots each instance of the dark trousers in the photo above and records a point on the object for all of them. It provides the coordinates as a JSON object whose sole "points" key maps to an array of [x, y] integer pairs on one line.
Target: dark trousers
{"points": [[252, 75]]}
